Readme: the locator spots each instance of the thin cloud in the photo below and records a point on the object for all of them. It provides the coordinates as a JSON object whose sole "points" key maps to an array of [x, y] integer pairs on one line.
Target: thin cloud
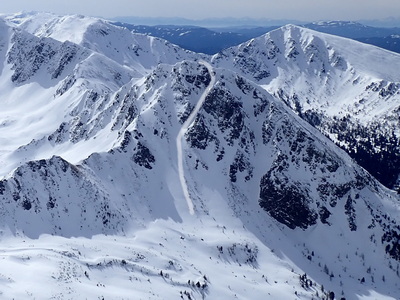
{"points": [[200, 9]]}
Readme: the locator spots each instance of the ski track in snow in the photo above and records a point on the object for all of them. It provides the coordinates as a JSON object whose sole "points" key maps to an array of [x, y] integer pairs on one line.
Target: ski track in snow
{"points": [[183, 130]]}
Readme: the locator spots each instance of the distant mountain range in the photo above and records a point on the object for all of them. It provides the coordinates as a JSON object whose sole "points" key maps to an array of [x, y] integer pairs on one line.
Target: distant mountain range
{"points": [[214, 39], [197, 39], [240, 22], [207, 23]]}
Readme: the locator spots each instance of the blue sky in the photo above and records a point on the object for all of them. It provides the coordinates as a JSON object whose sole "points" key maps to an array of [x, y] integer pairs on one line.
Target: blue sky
{"points": [[307, 10]]}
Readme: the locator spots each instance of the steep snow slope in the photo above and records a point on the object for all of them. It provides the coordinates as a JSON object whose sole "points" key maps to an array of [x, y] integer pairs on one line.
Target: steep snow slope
{"points": [[314, 69], [36, 89], [348, 90], [60, 88], [136, 51], [265, 163]]}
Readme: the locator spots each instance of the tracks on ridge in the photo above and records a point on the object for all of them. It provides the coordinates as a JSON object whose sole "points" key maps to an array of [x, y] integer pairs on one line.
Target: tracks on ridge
{"points": [[182, 132]]}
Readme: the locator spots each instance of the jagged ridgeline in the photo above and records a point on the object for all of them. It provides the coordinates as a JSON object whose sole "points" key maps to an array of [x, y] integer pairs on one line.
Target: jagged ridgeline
{"points": [[352, 99]]}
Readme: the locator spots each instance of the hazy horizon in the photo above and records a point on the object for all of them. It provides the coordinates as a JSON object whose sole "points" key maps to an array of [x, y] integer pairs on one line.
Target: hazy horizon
{"points": [[303, 10]]}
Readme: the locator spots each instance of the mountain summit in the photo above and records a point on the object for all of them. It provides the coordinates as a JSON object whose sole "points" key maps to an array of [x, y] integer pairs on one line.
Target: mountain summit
{"points": [[346, 89]]}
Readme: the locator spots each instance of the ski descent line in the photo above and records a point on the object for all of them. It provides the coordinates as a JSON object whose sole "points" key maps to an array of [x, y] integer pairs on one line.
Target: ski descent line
{"points": [[182, 132]]}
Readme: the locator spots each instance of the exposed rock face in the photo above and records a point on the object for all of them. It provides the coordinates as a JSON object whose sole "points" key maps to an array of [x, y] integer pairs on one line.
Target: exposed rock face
{"points": [[143, 157], [30, 54], [286, 203], [331, 88]]}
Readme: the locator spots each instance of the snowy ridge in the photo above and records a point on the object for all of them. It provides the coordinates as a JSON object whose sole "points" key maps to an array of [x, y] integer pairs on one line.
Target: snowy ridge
{"points": [[64, 184], [36, 82], [324, 79], [133, 51], [94, 191], [80, 79]]}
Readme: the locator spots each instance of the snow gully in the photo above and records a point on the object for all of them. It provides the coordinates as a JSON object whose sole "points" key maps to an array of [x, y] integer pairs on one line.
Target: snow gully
{"points": [[182, 132]]}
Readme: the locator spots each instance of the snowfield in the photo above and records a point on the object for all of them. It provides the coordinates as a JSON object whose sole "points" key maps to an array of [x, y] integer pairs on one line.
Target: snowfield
{"points": [[133, 169], [167, 261]]}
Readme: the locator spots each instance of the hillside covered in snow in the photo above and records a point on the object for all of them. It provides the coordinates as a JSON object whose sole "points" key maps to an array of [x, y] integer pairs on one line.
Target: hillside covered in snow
{"points": [[134, 169], [348, 90]]}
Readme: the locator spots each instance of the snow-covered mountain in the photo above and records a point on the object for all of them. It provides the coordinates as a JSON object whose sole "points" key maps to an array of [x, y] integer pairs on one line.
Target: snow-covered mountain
{"points": [[348, 90], [109, 191], [70, 83], [134, 51]]}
